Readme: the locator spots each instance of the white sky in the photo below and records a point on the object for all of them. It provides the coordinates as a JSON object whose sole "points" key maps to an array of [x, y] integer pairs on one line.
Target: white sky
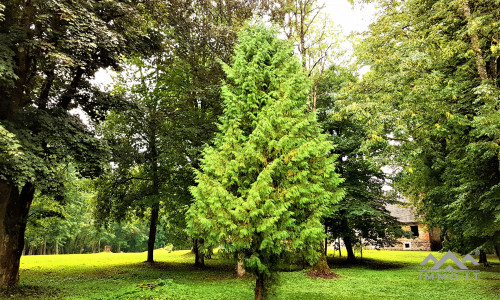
{"points": [[350, 17]]}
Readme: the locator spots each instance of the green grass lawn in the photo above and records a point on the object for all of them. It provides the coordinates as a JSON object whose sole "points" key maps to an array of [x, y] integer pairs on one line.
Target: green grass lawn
{"points": [[381, 275]]}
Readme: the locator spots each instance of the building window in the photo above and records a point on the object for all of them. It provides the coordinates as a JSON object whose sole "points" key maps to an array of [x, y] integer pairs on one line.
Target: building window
{"points": [[407, 245], [414, 229]]}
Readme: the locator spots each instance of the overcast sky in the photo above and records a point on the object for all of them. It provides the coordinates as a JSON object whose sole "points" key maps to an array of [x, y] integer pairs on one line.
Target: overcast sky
{"points": [[351, 18]]}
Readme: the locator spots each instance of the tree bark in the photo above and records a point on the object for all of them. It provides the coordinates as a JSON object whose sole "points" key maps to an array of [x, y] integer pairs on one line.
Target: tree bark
{"points": [[14, 208], [152, 231], [322, 264], [497, 251], [480, 63], [260, 287], [199, 257], [348, 248], [482, 257], [156, 191], [240, 270]]}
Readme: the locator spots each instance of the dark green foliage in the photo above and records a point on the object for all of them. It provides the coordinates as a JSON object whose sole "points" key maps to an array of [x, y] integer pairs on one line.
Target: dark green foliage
{"points": [[434, 82], [50, 51], [362, 213]]}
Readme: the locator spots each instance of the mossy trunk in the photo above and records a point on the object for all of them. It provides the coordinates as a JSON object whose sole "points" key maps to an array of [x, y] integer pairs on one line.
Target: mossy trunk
{"points": [[322, 264]]}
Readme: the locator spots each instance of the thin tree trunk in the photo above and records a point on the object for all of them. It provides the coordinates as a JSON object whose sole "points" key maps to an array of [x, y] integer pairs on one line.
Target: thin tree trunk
{"points": [[156, 191], [340, 250], [152, 231], [260, 287], [326, 241], [497, 251], [14, 208]]}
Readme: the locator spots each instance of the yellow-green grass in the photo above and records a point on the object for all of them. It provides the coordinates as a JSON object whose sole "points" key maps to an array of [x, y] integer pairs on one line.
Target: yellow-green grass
{"points": [[381, 275]]}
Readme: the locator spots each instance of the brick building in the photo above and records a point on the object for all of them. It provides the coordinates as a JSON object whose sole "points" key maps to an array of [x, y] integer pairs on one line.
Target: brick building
{"points": [[425, 239]]}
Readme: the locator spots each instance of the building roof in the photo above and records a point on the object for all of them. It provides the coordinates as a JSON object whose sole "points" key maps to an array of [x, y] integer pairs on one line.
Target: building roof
{"points": [[402, 212]]}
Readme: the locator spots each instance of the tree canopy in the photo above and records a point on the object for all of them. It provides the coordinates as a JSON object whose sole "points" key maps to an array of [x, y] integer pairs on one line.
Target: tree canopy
{"points": [[434, 86]]}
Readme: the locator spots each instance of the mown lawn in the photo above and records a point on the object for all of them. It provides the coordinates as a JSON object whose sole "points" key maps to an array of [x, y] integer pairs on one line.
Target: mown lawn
{"points": [[381, 275]]}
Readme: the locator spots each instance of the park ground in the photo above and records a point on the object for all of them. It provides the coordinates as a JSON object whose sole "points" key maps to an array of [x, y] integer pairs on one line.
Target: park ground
{"points": [[381, 275]]}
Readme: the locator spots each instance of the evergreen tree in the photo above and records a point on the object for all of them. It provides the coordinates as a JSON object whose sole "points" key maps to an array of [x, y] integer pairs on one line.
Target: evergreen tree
{"points": [[265, 185]]}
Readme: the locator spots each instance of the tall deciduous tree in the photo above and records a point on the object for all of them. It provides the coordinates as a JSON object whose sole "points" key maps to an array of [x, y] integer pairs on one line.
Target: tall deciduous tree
{"points": [[49, 52], [308, 25], [269, 178], [145, 137], [362, 213], [434, 80]]}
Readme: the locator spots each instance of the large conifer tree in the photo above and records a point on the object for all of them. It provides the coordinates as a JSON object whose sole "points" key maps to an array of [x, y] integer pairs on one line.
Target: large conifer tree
{"points": [[269, 178]]}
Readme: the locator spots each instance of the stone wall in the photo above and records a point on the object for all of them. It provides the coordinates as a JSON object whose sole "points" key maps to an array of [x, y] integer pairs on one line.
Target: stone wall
{"points": [[427, 240]]}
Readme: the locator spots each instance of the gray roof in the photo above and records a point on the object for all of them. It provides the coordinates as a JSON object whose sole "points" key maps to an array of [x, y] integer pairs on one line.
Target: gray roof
{"points": [[402, 212]]}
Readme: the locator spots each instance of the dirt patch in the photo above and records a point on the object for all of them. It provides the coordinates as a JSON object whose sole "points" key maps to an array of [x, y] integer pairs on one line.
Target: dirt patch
{"points": [[325, 274]]}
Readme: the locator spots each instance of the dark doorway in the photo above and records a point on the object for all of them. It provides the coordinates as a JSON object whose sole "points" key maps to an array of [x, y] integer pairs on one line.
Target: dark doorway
{"points": [[414, 229]]}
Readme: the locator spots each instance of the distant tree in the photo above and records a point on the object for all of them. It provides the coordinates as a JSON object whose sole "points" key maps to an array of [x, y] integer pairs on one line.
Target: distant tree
{"points": [[145, 137], [269, 178], [362, 213], [50, 51]]}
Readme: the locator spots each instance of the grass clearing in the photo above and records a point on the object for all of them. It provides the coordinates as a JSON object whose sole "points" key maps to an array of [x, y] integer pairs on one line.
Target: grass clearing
{"points": [[381, 275]]}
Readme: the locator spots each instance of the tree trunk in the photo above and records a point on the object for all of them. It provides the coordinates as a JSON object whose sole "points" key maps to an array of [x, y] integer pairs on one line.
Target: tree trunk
{"points": [[497, 251], [156, 191], [348, 248], [474, 38], [152, 231], [260, 288], [482, 257], [322, 264], [240, 270], [199, 256], [14, 208]]}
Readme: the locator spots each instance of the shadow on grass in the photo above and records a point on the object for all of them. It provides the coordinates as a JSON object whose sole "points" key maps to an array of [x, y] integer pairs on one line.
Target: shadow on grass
{"points": [[29, 291], [368, 263]]}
